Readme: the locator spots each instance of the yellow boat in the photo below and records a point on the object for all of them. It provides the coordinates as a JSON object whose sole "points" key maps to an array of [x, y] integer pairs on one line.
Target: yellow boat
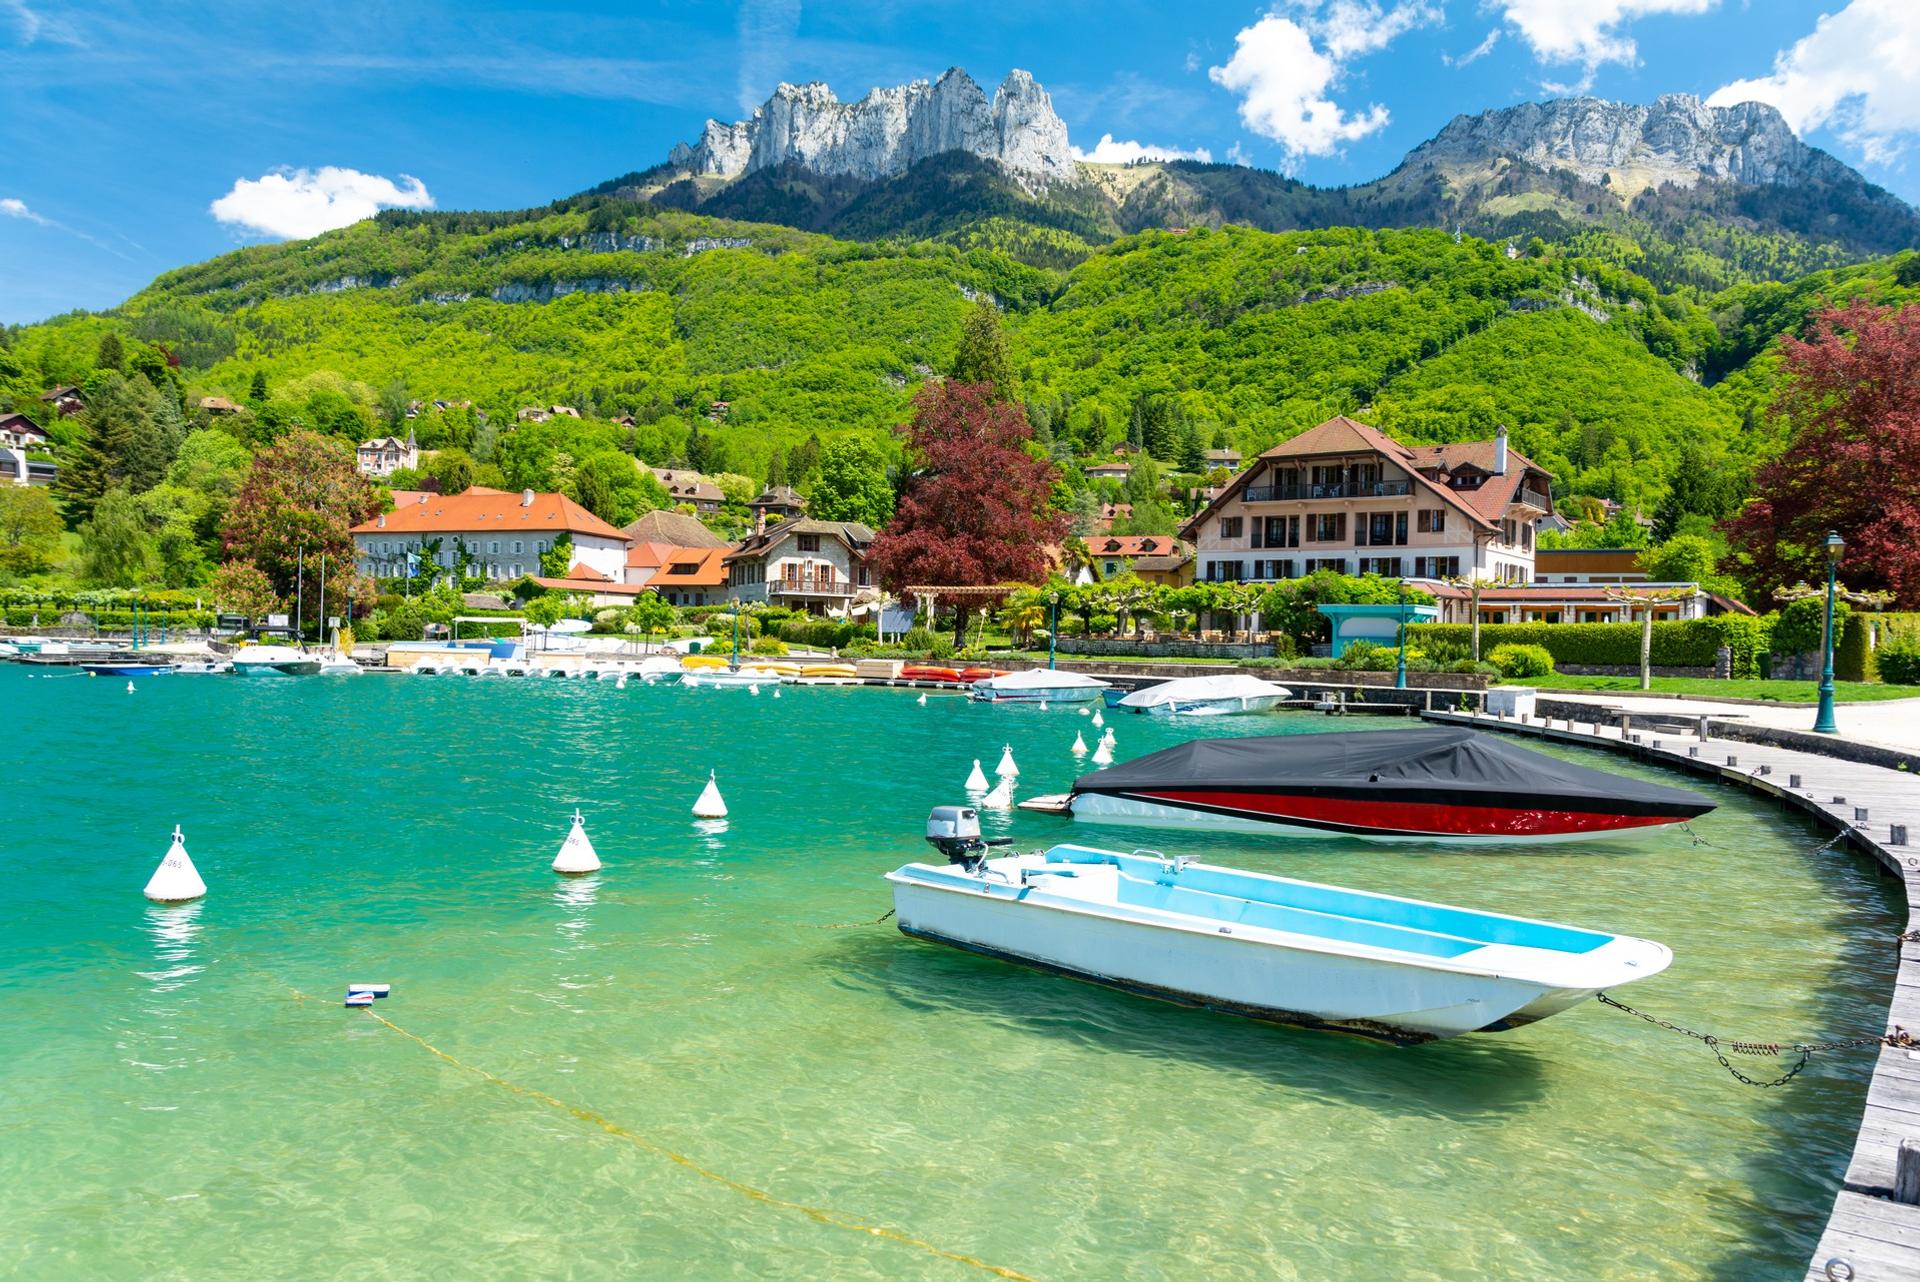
{"points": [[829, 670], [697, 661]]}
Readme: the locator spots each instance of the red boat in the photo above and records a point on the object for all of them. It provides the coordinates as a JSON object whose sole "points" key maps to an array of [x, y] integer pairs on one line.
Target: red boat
{"points": [[1399, 785]]}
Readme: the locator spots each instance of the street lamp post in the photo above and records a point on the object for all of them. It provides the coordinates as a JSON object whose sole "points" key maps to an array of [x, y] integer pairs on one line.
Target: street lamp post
{"points": [[1823, 722], [1400, 672], [1053, 623]]}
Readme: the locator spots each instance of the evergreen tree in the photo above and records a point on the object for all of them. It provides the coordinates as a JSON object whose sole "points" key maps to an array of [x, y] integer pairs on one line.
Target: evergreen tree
{"points": [[804, 460], [982, 356], [257, 391], [120, 445], [112, 354]]}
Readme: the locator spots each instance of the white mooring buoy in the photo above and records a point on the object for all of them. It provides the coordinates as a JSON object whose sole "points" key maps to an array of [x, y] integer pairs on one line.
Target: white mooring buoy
{"points": [[1103, 754], [1043, 705], [977, 781], [176, 880], [129, 687], [1001, 798], [576, 852], [1006, 769], [1098, 720], [922, 700], [620, 683], [710, 805], [1079, 745], [1085, 713], [753, 687], [776, 692]]}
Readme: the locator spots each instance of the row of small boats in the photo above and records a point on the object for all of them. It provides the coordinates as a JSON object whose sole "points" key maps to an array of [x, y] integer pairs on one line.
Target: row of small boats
{"points": [[1217, 695], [1291, 951]]}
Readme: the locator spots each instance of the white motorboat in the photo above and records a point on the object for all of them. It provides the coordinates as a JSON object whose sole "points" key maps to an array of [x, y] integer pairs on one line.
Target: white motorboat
{"points": [[1040, 685], [1205, 697], [336, 664], [722, 678], [660, 669], [274, 661], [1266, 947]]}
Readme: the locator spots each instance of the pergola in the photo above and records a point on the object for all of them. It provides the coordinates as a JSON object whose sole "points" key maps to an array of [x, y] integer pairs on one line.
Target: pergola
{"points": [[925, 594]]}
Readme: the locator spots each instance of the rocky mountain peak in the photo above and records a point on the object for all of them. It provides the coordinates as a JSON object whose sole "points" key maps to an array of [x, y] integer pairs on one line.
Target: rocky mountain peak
{"points": [[1676, 139], [890, 129]]}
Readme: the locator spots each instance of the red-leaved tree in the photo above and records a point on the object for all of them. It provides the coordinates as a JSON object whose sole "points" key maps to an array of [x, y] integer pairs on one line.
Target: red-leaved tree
{"points": [[299, 499], [977, 511], [1852, 396]]}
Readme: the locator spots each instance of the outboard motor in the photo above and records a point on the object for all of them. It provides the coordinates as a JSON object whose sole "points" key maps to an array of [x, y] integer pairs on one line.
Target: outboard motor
{"points": [[954, 831]]}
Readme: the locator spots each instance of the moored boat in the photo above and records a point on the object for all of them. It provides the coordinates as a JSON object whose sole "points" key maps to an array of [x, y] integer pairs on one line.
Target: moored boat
{"points": [[1040, 685], [1450, 784], [274, 661], [129, 669], [724, 678], [1204, 697], [1266, 947]]}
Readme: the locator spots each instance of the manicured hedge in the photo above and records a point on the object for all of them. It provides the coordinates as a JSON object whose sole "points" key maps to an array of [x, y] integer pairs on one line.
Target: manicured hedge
{"points": [[1690, 643], [1853, 660], [823, 634]]}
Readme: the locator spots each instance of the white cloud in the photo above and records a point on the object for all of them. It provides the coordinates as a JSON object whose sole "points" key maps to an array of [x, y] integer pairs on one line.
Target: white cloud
{"points": [[1286, 68], [1476, 53], [1587, 32], [13, 207], [293, 204], [35, 27], [1853, 74], [1119, 151]]}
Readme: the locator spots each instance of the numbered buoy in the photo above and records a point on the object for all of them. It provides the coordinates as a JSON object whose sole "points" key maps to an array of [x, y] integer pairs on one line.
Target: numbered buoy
{"points": [[710, 805], [1001, 798], [1079, 745], [1006, 769], [977, 781], [176, 880], [576, 852], [1103, 755]]}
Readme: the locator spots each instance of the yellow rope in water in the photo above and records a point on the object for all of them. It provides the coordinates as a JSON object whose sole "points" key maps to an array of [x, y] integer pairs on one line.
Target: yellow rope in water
{"points": [[820, 1214]]}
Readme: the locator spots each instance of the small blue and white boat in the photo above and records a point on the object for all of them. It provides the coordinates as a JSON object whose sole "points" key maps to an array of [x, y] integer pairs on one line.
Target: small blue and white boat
{"points": [[1270, 948], [128, 669]]}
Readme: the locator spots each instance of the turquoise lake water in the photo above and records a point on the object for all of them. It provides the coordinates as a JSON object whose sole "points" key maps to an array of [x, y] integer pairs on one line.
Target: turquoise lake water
{"points": [[171, 1111]]}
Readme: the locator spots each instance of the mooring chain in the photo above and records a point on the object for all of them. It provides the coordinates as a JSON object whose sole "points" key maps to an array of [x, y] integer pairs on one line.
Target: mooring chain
{"points": [[850, 925], [1804, 1051]]}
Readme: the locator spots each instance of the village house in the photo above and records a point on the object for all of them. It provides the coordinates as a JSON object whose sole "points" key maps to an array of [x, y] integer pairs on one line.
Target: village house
{"points": [[1229, 459], [65, 400], [1343, 496], [218, 405], [776, 503], [816, 566], [674, 529], [691, 488], [504, 535], [385, 455], [18, 432], [1116, 554], [680, 576], [1116, 471]]}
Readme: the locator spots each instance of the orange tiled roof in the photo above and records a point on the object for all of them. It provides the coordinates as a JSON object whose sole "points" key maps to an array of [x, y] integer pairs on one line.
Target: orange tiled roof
{"points": [[693, 568], [483, 511]]}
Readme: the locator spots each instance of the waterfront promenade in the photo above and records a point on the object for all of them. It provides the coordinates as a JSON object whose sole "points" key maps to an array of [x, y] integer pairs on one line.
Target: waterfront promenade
{"points": [[1870, 1237]]}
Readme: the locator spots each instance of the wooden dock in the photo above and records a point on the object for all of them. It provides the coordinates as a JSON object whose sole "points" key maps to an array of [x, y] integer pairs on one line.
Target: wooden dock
{"points": [[1870, 1237]]}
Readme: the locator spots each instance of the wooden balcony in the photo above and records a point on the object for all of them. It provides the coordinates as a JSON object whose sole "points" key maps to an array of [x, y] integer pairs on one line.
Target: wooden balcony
{"points": [[1340, 490], [810, 585]]}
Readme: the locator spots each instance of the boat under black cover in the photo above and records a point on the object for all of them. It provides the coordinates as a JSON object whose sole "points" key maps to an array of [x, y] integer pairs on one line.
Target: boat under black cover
{"points": [[1450, 783]]}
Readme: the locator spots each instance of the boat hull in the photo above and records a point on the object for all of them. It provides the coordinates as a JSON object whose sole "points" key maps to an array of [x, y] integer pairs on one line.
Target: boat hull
{"points": [[1301, 815], [287, 668], [1211, 707], [1059, 694], [128, 669], [1372, 998]]}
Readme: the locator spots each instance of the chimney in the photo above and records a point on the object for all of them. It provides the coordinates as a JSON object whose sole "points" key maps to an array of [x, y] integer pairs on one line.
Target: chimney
{"points": [[759, 520], [1500, 451], [383, 520], [526, 496]]}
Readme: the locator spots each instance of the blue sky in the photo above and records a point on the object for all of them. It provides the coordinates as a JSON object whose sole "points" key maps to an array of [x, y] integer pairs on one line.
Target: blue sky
{"points": [[124, 126]]}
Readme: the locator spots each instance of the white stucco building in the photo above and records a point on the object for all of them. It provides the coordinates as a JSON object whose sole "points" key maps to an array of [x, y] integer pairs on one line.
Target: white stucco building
{"points": [[504, 535]]}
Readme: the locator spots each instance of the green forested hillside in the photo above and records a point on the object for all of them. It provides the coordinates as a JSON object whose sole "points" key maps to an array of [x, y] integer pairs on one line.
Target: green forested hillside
{"points": [[1184, 340]]}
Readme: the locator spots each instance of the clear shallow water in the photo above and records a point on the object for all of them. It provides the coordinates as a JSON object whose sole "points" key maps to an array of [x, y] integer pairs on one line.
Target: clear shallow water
{"points": [[169, 1111]]}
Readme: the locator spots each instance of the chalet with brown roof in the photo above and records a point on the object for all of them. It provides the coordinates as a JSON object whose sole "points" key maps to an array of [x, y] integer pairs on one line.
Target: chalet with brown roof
{"points": [[1344, 496], [1116, 554], [816, 566], [1114, 471], [693, 488], [776, 503], [385, 455], [65, 400], [18, 432], [217, 405], [674, 529]]}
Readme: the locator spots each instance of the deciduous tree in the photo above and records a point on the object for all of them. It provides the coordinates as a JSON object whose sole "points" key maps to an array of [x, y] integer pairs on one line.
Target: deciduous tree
{"points": [[240, 587], [301, 496], [977, 509], [116, 550], [1852, 396], [853, 484], [29, 530]]}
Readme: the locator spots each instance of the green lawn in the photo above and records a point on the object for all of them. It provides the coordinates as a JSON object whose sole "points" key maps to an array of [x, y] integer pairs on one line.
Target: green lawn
{"points": [[1806, 692]]}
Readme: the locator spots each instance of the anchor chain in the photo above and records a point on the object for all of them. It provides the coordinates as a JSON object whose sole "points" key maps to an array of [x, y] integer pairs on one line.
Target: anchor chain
{"points": [[1804, 1052], [851, 925]]}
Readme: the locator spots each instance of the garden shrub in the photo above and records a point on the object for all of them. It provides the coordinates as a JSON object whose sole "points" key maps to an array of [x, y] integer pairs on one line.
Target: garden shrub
{"points": [[1899, 661], [1689, 643], [1801, 625], [1365, 656], [1518, 662], [769, 646]]}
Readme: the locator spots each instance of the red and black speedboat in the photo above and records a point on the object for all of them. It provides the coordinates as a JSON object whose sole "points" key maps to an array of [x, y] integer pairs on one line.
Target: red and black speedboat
{"points": [[1428, 785]]}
